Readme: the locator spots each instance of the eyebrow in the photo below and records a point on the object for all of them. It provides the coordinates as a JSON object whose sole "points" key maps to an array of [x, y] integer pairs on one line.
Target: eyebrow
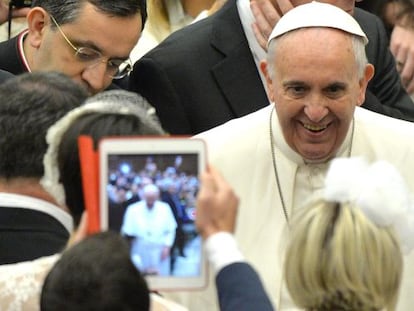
{"points": [[336, 84], [293, 83]]}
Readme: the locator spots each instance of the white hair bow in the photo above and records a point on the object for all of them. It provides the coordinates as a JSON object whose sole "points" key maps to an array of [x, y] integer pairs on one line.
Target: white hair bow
{"points": [[378, 190]]}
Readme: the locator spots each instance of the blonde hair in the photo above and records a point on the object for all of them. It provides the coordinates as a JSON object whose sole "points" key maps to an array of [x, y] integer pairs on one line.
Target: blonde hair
{"points": [[337, 259], [158, 22]]}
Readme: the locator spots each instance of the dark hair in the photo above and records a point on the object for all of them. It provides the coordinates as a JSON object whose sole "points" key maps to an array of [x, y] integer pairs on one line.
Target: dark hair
{"points": [[96, 125], [67, 11], [30, 104], [95, 274]]}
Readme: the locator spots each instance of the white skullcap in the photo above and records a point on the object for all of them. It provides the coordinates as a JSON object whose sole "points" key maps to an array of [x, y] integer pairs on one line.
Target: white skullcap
{"points": [[317, 14]]}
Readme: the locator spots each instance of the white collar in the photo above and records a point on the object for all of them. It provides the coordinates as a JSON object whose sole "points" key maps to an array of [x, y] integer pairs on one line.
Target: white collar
{"points": [[23, 201], [20, 48]]}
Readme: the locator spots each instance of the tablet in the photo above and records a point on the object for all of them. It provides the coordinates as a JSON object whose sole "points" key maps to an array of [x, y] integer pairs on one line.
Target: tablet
{"points": [[148, 189]]}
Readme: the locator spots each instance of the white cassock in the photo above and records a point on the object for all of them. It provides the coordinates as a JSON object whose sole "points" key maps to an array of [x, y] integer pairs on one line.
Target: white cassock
{"points": [[152, 229], [241, 150]]}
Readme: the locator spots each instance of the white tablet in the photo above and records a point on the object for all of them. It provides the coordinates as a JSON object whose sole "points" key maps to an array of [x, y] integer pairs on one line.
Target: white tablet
{"points": [[148, 189]]}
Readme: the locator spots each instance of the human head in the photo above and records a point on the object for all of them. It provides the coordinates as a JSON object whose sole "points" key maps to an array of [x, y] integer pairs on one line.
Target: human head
{"points": [[110, 113], [30, 104], [338, 258], [315, 88], [151, 194], [95, 274], [110, 27], [345, 249]]}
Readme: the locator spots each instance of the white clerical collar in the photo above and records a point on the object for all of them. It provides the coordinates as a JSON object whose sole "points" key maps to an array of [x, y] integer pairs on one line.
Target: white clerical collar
{"points": [[20, 48], [282, 145], [22, 201], [247, 19]]}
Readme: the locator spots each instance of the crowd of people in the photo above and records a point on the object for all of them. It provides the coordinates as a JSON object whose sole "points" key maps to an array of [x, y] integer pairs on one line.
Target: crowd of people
{"points": [[304, 106]]}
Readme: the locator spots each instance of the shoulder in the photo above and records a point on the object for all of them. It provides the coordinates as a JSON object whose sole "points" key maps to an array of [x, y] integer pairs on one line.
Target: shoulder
{"points": [[4, 75], [383, 136], [236, 127], [370, 23], [238, 136], [375, 121], [21, 283]]}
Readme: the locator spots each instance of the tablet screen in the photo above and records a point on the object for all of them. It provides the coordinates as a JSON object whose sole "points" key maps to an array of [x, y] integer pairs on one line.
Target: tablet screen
{"points": [[148, 194]]}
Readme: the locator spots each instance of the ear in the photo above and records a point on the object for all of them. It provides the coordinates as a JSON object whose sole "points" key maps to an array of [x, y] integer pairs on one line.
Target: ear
{"points": [[37, 20], [269, 82], [363, 82]]}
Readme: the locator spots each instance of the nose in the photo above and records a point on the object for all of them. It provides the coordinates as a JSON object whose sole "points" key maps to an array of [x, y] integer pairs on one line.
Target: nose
{"points": [[316, 109], [96, 77]]}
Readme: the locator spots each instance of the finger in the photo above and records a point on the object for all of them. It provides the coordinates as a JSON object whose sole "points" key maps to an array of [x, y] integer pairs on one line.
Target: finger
{"points": [[262, 40], [400, 58], [285, 5], [20, 12], [208, 186], [81, 231], [264, 22], [407, 74], [220, 182]]}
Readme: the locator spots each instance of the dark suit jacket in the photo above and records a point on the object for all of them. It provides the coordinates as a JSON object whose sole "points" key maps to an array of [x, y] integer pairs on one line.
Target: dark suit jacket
{"points": [[239, 288], [204, 75], [27, 234], [4, 75], [10, 59]]}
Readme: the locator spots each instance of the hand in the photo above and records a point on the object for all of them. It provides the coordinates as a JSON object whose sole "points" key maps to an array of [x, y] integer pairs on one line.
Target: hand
{"points": [[81, 231], [267, 15], [402, 47], [216, 205], [4, 12]]}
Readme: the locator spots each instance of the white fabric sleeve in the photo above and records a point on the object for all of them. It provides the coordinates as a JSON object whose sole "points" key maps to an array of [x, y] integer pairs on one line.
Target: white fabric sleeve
{"points": [[222, 250]]}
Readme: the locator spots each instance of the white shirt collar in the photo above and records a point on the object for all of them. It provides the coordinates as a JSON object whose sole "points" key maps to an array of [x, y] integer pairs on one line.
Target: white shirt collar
{"points": [[20, 48], [27, 202]]}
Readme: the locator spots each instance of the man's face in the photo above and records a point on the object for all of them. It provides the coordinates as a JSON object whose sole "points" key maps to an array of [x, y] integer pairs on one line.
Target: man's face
{"points": [[114, 37], [150, 198], [315, 89]]}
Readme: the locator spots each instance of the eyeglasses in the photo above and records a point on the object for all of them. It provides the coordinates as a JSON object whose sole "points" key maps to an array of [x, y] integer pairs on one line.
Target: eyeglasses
{"points": [[115, 68]]}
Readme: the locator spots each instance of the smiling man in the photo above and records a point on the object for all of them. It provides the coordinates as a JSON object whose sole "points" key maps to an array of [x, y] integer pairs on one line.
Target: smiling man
{"points": [[276, 158], [88, 40]]}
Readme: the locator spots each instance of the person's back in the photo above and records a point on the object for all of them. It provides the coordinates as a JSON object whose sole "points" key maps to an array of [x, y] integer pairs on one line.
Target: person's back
{"points": [[31, 223]]}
